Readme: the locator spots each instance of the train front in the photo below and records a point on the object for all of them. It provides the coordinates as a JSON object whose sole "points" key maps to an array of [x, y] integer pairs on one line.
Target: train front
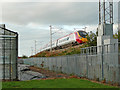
{"points": [[81, 37]]}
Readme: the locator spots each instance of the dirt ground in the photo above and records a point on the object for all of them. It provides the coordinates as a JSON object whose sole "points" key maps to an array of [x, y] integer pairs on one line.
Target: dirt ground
{"points": [[49, 74]]}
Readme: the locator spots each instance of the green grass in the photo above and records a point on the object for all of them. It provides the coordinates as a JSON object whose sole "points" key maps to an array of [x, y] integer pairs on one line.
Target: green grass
{"points": [[55, 83]]}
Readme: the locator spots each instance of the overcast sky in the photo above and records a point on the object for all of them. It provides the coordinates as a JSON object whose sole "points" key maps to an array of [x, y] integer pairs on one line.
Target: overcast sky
{"points": [[32, 20]]}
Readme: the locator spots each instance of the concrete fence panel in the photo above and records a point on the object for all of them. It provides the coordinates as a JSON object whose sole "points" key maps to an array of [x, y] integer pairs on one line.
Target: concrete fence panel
{"points": [[97, 66]]}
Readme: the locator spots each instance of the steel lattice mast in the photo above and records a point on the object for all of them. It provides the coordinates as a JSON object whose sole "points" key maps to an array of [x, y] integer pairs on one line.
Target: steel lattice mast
{"points": [[105, 17], [105, 12]]}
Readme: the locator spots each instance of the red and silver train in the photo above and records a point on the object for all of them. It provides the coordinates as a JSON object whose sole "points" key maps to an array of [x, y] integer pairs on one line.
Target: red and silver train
{"points": [[75, 38]]}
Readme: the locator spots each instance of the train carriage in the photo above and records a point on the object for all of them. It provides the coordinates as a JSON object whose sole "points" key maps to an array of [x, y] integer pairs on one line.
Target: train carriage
{"points": [[75, 38], [66, 39]]}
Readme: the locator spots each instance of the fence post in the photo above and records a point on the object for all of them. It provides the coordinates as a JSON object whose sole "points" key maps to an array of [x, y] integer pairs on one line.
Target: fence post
{"points": [[75, 65], [102, 62], [56, 64], [87, 62], [61, 64], [67, 65]]}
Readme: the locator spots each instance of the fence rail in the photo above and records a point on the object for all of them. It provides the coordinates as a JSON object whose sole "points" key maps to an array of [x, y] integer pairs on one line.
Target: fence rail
{"points": [[108, 48]]}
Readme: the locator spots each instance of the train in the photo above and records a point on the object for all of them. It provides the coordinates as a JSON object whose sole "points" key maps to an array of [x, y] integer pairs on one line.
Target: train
{"points": [[75, 38]]}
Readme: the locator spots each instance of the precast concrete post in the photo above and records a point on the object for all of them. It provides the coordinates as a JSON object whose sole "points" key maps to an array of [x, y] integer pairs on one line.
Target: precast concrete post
{"points": [[119, 37]]}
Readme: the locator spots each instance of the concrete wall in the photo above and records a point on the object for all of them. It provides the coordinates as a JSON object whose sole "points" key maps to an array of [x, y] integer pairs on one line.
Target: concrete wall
{"points": [[89, 66]]}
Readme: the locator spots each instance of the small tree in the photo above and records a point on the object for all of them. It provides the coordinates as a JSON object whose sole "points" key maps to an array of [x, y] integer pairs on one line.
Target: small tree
{"points": [[119, 35], [92, 39]]}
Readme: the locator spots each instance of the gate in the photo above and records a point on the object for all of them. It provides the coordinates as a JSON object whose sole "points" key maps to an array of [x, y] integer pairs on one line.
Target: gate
{"points": [[8, 54]]}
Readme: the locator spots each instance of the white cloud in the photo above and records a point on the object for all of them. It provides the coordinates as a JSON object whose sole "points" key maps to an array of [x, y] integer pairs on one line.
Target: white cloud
{"points": [[55, 0], [50, 13]]}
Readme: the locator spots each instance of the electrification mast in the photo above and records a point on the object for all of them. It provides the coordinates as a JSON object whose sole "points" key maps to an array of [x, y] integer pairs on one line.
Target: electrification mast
{"points": [[105, 29], [105, 11], [105, 17]]}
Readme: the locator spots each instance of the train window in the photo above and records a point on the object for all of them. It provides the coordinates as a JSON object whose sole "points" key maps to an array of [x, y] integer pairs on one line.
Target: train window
{"points": [[67, 38], [82, 34], [64, 40]]}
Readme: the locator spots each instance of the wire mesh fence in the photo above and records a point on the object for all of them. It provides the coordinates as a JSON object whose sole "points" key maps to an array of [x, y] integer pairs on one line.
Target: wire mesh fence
{"points": [[8, 54]]}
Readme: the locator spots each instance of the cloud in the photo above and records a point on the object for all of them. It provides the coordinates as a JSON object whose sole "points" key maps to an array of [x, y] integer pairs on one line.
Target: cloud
{"points": [[64, 13], [55, 0], [50, 13]]}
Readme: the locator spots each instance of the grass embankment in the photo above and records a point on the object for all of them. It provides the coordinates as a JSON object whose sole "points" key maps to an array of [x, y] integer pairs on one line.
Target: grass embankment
{"points": [[68, 51], [54, 83]]}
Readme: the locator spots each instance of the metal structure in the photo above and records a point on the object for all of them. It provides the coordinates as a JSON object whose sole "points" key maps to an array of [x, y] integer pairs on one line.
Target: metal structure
{"points": [[119, 21], [8, 53], [88, 64], [119, 31], [105, 11], [50, 38], [105, 18], [51, 33]]}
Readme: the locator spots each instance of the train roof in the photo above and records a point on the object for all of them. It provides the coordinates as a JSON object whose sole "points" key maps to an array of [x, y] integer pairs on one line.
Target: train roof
{"points": [[70, 34], [65, 36]]}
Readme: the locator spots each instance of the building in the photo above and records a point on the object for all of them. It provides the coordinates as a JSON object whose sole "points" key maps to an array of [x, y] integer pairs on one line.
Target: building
{"points": [[8, 54]]}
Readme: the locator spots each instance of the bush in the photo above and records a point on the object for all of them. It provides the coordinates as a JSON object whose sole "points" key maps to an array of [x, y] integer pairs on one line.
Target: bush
{"points": [[24, 56]]}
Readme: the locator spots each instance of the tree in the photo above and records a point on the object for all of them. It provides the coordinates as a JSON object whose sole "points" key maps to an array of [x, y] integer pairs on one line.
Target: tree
{"points": [[119, 35], [115, 35], [92, 39]]}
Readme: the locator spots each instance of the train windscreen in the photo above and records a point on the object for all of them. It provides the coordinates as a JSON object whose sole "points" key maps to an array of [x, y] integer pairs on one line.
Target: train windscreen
{"points": [[82, 34]]}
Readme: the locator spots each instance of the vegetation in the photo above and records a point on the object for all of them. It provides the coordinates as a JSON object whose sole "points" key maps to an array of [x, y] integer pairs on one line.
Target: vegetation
{"points": [[24, 56], [68, 51], [54, 83], [115, 36], [92, 39], [119, 36]]}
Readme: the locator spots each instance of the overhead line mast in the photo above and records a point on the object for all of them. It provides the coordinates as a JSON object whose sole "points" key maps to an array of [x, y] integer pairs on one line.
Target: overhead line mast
{"points": [[106, 11], [105, 17]]}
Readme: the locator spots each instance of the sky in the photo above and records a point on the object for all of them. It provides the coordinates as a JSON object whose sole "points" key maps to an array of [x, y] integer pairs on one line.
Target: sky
{"points": [[32, 20]]}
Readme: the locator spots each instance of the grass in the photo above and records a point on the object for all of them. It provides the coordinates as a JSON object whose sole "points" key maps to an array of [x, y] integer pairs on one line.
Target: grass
{"points": [[55, 83]]}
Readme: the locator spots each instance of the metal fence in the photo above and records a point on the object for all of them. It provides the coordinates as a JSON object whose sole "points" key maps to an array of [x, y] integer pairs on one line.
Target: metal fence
{"points": [[8, 54], [108, 48], [92, 63]]}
